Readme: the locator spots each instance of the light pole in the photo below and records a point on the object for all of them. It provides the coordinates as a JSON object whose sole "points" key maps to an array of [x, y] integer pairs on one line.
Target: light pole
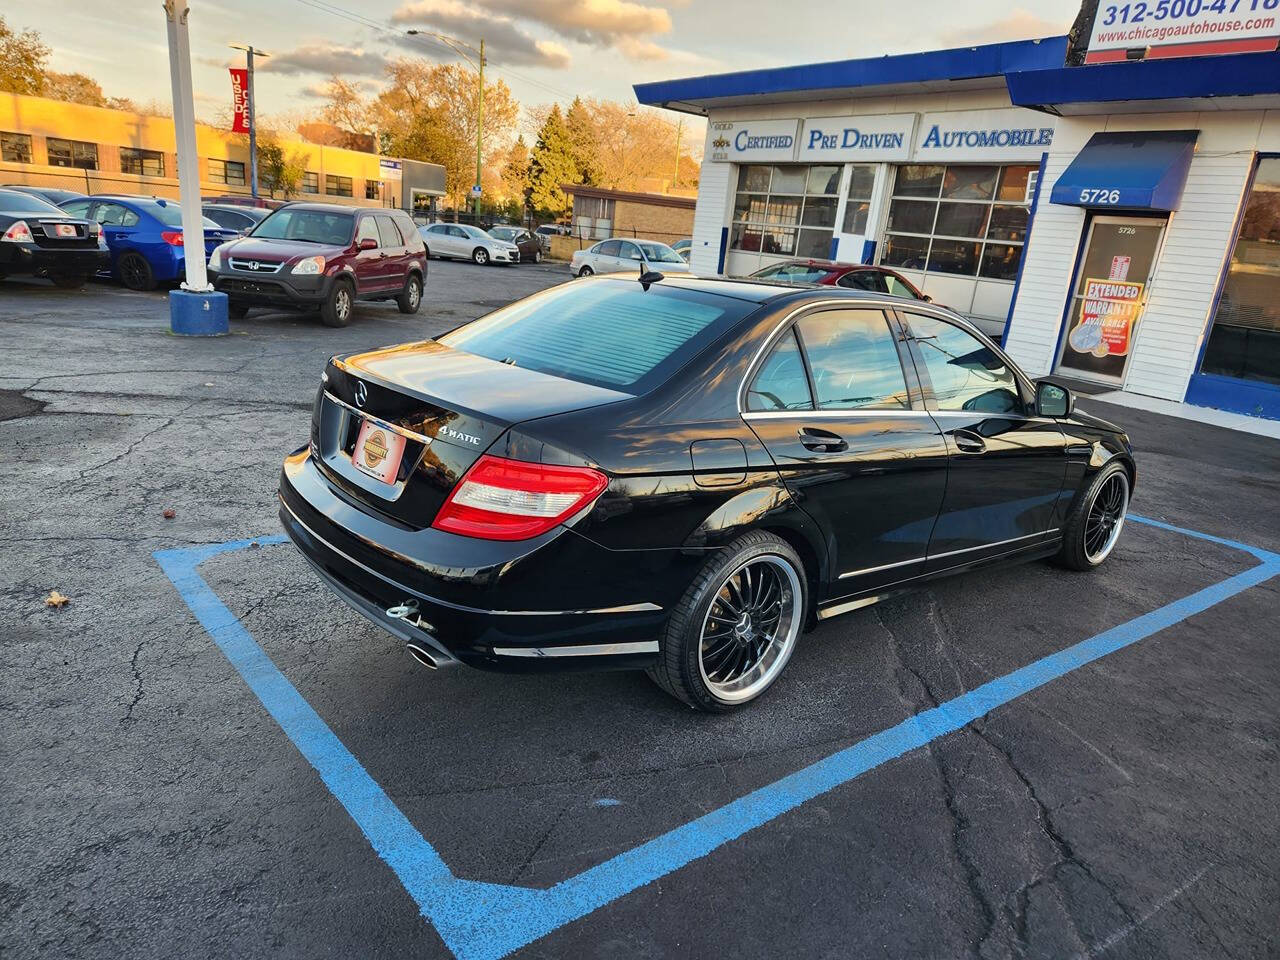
{"points": [[476, 59], [250, 52], [675, 173]]}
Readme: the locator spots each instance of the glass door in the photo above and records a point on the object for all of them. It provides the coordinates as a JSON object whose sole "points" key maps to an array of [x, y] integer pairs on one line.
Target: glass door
{"points": [[1111, 290]]}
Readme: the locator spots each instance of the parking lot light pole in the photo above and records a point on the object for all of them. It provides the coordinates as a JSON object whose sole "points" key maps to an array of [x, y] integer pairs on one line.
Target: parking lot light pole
{"points": [[194, 309], [476, 59], [250, 51]]}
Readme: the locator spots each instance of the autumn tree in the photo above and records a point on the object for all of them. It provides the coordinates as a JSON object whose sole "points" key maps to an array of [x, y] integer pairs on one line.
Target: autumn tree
{"points": [[22, 61], [344, 107], [551, 164], [279, 173]]}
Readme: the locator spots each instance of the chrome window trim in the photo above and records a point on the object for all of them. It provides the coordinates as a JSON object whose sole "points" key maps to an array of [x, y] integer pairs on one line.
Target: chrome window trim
{"points": [[582, 650], [402, 431], [811, 414]]}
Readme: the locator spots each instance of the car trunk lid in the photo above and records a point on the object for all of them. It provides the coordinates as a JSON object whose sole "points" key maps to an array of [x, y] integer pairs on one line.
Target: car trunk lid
{"points": [[449, 407]]}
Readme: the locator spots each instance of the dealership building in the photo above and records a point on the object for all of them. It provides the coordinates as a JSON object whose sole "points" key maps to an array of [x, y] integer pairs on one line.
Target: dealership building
{"points": [[1112, 216]]}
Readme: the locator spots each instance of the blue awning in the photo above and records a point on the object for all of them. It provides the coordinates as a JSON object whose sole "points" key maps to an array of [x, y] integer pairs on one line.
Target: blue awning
{"points": [[1128, 171]]}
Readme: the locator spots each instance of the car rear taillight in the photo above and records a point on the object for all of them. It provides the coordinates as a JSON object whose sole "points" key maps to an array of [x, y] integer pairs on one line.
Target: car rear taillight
{"points": [[172, 237], [500, 499], [19, 232]]}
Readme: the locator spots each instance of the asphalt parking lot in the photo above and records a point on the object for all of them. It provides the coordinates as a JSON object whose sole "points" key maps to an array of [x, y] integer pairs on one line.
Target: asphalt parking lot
{"points": [[165, 795]]}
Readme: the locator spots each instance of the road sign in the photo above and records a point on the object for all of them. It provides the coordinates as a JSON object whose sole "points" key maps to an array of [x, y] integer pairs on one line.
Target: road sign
{"points": [[475, 190]]}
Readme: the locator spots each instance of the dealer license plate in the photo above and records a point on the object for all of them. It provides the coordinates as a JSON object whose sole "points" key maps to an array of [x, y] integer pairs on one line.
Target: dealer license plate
{"points": [[378, 452], [65, 229]]}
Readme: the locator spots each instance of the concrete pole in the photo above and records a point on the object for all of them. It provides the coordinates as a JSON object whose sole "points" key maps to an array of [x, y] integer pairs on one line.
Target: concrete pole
{"points": [[184, 125]]}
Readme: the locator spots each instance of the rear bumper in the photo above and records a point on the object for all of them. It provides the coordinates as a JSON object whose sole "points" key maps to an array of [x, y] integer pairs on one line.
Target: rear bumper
{"points": [[28, 258], [556, 602], [273, 290]]}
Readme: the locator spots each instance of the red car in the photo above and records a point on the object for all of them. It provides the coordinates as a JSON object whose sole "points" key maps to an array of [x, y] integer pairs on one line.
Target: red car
{"points": [[828, 273]]}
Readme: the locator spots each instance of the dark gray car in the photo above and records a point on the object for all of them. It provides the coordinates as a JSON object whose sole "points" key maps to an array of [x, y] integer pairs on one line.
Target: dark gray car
{"points": [[529, 245]]}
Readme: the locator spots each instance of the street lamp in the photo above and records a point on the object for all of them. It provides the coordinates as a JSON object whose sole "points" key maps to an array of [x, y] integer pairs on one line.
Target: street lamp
{"points": [[476, 59], [250, 52]]}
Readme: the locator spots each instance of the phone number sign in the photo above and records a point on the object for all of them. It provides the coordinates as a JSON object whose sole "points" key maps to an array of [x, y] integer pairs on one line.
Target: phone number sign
{"points": [[1183, 28]]}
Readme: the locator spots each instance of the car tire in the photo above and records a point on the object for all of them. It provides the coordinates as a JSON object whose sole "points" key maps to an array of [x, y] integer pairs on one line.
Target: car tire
{"points": [[338, 305], [1094, 523], [701, 648], [237, 311], [537, 256], [411, 298], [481, 256], [585, 272], [135, 273], [68, 281]]}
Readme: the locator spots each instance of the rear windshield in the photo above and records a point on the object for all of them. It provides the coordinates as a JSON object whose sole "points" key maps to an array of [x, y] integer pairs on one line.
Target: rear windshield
{"points": [[170, 214], [308, 226], [608, 333], [16, 202]]}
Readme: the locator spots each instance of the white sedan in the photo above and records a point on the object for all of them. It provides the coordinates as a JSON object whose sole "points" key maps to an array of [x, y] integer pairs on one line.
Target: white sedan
{"points": [[616, 256], [465, 242]]}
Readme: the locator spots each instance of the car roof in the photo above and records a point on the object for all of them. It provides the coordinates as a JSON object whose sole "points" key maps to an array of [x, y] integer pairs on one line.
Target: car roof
{"points": [[330, 208], [829, 265]]}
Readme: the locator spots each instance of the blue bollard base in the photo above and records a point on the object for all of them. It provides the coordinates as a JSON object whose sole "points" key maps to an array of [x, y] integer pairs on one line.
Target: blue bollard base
{"points": [[194, 314]]}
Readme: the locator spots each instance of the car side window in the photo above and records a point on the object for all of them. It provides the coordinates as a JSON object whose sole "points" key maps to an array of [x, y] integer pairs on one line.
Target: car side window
{"points": [[367, 230], [609, 248], [854, 361], [863, 280], [437, 228], [457, 232], [630, 252], [898, 287], [389, 232], [782, 383], [78, 208], [965, 373], [115, 215]]}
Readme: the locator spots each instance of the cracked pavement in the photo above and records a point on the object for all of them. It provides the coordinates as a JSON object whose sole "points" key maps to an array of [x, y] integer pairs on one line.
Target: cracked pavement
{"points": [[153, 809]]}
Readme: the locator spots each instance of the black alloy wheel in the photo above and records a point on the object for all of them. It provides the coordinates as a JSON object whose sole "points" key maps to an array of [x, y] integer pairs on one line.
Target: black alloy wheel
{"points": [[136, 273], [1093, 526]]}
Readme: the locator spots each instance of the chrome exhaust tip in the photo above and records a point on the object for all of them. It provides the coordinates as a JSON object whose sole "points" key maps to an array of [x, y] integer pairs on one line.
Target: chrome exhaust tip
{"points": [[424, 656]]}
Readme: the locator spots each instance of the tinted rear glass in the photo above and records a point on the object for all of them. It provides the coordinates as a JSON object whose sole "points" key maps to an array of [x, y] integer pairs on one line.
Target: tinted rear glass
{"points": [[16, 202], [607, 333], [309, 226]]}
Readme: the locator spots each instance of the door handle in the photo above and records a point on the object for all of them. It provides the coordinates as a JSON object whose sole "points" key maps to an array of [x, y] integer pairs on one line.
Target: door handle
{"points": [[382, 255], [968, 442], [821, 441]]}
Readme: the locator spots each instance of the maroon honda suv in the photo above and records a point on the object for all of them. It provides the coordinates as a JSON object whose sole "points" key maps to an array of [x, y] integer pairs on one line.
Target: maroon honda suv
{"points": [[321, 256]]}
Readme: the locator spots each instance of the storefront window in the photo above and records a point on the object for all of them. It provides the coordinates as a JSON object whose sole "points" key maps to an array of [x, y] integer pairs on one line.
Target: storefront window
{"points": [[786, 210], [965, 220], [1245, 339], [857, 205]]}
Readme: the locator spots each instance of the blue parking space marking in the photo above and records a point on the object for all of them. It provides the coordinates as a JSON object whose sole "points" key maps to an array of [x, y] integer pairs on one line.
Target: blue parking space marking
{"points": [[484, 921]]}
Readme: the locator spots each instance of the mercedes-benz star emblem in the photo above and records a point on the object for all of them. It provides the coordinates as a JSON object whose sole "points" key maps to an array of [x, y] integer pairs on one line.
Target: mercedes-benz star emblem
{"points": [[362, 393]]}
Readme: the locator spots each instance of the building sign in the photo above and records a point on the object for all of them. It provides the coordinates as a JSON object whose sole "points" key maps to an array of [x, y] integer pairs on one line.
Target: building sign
{"points": [[753, 141], [1182, 28], [853, 139], [390, 170], [982, 135], [239, 100], [1107, 317]]}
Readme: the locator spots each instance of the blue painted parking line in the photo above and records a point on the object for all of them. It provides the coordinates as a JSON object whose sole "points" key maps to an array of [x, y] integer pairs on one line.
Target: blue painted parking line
{"points": [[480, 921]]}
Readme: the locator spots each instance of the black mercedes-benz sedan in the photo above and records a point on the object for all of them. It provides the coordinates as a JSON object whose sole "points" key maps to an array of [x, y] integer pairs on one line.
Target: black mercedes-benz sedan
{"points": [[682, 475]]}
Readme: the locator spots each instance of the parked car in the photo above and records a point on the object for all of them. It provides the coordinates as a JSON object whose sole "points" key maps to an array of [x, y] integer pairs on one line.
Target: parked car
{"points": [[546, 231], [527, 245], [235, 216], [462, 241], [40, 240], [52, 194], [614, 256], [144, 236], [325, 257], [829, 273], [682, 476], [684, 248]]}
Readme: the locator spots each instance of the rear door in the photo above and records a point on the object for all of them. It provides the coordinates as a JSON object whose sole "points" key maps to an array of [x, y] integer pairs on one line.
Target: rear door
{"points": [[119, 227], [369, 265], [396, 264], [844, 421], [1007, 464], [629, 257]]}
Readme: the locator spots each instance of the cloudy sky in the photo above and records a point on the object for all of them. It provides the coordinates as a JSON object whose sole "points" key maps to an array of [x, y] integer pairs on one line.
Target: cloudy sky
{"points": [[544, 49]]}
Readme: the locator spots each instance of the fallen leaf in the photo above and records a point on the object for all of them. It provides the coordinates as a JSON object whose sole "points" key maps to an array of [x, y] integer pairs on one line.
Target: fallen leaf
{"points": [[169, 513], [55, 599]]}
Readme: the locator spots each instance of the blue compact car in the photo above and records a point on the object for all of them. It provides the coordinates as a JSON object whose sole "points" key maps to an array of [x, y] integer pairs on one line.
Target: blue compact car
{"points": [[144, 236]]}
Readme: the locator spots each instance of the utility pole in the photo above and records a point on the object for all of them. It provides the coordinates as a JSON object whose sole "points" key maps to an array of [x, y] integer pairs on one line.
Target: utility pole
{"points": [[675, 173], [479, 125], [476, 59], [250, 51]]}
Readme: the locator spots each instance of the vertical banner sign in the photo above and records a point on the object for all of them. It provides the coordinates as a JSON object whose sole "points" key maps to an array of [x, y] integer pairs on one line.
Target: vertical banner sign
{"points": [[1107, 317], [239, 100]]}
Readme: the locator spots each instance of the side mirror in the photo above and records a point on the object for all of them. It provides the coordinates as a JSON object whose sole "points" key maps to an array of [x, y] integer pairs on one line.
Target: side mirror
{"points": [[1053, 399], [927, 298], [368, 243]]}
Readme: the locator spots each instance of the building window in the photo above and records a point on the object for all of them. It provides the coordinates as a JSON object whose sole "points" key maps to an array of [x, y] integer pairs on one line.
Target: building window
{"points": [[337, 186], [72, 153], [593, 217], [310, 182], [372, 189], [1245, 339], [785, 210], [965, 220], [857, 204], [226, 171], [15, 147], [141, 163]]}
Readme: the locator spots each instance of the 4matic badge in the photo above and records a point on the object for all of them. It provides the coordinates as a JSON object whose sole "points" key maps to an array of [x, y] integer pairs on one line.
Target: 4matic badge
{"points": [[448, 433]]}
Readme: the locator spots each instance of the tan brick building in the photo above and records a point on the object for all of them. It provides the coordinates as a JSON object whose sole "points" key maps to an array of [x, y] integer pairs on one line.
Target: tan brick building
{"points": [[600, 213]]}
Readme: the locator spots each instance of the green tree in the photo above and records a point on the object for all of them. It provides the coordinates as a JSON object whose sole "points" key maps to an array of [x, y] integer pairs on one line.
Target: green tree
{"points": [[584, 136], [515, 172], [551, 164], [278, 173], [22, 60]]}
